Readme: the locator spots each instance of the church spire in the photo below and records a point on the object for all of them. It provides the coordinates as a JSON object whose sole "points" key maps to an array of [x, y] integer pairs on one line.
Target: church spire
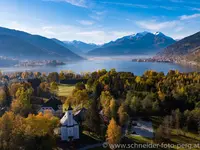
{"points": [[70, 107]]}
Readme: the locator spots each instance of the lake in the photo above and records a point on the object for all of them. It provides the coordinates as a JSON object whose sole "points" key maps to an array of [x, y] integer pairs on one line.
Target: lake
{"points": [[90, 65]]}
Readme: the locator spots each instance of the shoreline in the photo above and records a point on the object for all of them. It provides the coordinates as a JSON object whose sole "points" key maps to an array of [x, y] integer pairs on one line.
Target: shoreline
{"points": [[183, 62]]}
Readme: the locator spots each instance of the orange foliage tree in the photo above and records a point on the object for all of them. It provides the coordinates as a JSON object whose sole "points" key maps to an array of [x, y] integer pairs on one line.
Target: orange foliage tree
{"points": [[113, 132]]}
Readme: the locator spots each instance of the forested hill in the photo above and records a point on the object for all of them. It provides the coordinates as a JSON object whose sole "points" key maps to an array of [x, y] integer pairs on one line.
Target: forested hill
{"points": [[24, 45], [108, 103], [194, 55], [187, 48]]}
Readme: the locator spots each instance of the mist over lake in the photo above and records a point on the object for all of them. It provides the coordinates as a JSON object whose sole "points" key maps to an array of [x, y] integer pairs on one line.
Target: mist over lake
{"points": [[120, 63]]}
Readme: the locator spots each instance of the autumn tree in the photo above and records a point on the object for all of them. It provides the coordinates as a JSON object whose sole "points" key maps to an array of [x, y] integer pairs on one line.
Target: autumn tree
{"points": [[22, 104], [13, 88], [81, 97], [25, 75], [6, 127], [113, 108], [123, 115], [105, 100], [33, 132], [80, 86], [113, 132], [90, 83], [62, 75], [54, 87], [37, 74], [2, 97], [44, 90], [53, 77], [78, 97]]}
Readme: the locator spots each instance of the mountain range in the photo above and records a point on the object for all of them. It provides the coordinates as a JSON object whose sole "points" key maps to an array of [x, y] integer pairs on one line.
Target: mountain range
{"points": [[78, 47], [140, 43], [84, 47], [22, 45]]}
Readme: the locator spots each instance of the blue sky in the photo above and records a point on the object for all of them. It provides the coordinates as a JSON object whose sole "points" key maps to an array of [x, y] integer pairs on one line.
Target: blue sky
{"points": [[99, 21]]}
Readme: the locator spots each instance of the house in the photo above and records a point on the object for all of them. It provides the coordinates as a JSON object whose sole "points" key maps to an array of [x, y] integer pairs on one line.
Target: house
{"points": [[69, 129], [53, 105]]}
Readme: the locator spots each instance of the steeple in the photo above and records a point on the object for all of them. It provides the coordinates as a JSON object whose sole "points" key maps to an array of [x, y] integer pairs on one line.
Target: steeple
{"points": [[67, 119], [70, 107]]}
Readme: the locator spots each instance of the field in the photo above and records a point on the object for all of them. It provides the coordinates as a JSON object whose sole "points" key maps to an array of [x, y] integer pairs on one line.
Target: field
{"points": [[65, 89]]}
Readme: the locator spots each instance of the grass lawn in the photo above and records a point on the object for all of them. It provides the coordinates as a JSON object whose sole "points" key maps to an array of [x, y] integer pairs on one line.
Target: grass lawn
{"points": [[93, 136], [181, 137], [88, 139], [65, 89], [140, 139]]}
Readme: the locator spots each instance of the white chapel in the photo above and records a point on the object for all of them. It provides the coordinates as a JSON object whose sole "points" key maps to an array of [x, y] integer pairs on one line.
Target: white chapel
{"points": [[69, 129]]}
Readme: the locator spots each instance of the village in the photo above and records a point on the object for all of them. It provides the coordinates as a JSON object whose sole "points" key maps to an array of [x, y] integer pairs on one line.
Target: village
{"points": [[69, 131]]}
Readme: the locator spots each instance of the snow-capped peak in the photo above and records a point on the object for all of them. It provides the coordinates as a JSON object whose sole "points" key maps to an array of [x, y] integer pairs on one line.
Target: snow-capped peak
{"points": [[142, 33], [132, 35], [158, 33]]}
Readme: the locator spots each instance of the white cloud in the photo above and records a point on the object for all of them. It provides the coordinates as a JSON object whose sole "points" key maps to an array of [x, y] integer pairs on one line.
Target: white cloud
{"points": [[181, 35], [100, 12], [186, 17], [79, 3], [67, 32], [197, 9], [86, 22], [97, 15], [127, 4], [178, 29], [101, 36], [156, 26], [141, 5]]}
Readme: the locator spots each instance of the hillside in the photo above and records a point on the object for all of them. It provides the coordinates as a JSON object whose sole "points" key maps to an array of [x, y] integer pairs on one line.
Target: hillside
{"points": [[183, 47], [14, 47], [30, 46], [186, 50], [194, 55], [140, 43]]}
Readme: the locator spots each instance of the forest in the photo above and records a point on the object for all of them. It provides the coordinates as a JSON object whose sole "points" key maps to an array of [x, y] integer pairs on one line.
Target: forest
{"points": [[119, 97]]}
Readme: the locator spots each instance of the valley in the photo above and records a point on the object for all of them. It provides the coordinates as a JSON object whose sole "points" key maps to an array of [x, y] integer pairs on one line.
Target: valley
{"points": [[99, 74], [157, 47]]}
